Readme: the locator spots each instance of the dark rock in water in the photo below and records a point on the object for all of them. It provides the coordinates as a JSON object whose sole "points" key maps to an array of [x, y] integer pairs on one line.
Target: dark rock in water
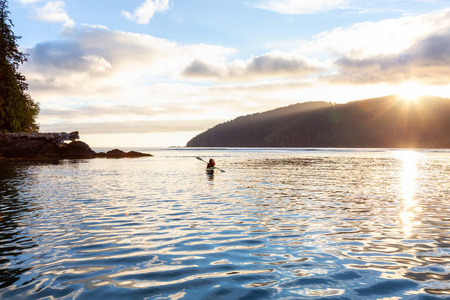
{"points": [[134, 154], [52, 146], [116, 153], [76, 149]]}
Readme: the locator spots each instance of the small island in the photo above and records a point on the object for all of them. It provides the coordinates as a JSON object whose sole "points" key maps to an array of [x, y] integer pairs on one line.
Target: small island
{"points": [[33, 145]]}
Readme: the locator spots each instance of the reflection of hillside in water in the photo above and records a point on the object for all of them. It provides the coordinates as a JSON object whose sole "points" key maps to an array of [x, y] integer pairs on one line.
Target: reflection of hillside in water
{"points": [[383, 214]]}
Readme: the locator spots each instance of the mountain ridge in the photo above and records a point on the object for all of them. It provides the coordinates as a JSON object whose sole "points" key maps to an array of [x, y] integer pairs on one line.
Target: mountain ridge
{"points": [[384, 122]]}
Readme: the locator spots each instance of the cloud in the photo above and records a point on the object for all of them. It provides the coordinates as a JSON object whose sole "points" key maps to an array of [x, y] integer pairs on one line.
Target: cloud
{"points": [[144, 13], [105, 111], [299, 6], [388, 51], [166, 126], [427, 61], [270, 65], [97, 60], [94, 58], [63, 67], [201, 69], [54, 12], [389, 36]]}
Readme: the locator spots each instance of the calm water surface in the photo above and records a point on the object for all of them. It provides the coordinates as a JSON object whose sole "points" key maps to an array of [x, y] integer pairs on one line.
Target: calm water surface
{"points": [[278, 224]]}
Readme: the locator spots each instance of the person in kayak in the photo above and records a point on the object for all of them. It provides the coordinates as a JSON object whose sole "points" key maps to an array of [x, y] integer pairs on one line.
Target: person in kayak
{"points": [[211, 164]]}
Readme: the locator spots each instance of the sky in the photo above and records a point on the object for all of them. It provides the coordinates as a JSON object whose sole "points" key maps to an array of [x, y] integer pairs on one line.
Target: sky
{"points": [[155, 73]]}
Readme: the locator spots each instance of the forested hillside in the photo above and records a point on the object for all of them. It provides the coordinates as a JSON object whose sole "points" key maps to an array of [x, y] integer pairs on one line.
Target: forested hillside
{"points": [[382, 122]]}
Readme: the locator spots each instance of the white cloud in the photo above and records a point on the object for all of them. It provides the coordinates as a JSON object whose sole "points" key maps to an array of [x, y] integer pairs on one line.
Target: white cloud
{"points": [[427, 62], [390, 51], [54, 12], [299, 6], [378, 38], [382, 40], [94, 58], [146, 11]]}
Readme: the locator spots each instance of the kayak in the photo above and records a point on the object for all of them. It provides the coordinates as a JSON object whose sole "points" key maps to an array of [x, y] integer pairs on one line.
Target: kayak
{"points": [[210, 171]]}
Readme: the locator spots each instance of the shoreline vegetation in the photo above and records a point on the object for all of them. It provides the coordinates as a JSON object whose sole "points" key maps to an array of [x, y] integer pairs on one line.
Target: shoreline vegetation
{"points": [[53, 146]]}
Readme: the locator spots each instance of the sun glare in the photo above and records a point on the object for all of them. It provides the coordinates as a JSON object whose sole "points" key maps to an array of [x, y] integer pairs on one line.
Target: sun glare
{"points": [[409, 91]]}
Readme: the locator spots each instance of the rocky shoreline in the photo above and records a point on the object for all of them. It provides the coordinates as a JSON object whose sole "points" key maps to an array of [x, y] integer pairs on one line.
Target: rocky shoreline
{"points": [[53, 146]]}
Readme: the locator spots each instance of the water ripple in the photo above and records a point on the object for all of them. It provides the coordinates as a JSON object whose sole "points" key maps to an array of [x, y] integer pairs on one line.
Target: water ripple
{"points": [[288, 225]]}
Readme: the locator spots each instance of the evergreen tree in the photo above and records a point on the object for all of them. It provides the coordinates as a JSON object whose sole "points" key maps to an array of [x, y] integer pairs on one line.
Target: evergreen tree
{"points": [[17, 110]]}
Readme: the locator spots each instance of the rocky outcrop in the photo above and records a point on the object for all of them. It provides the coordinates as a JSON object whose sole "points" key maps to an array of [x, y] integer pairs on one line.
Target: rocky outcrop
{"points": [[56, 137], [76, 149], [53, 146], [116, 153]]}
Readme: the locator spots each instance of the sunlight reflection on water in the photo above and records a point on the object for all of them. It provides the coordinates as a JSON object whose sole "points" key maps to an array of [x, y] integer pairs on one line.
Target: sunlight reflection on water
{"points": [[278, 224], [408, 178]]}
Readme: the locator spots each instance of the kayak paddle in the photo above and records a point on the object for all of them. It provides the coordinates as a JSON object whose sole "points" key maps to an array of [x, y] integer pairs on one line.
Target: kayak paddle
{"points": [[199, 158]]}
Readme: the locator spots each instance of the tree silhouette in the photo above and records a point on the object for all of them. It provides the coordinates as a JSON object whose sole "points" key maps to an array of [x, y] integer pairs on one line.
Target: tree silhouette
{"points": [[17, 110]]}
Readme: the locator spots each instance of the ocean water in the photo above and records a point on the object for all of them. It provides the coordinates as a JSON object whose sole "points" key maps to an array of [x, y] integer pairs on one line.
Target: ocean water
{"points": [[277, 224]]}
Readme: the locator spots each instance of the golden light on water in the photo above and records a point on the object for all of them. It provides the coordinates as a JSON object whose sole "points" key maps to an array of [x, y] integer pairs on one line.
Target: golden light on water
{"points": [[408, 181]]}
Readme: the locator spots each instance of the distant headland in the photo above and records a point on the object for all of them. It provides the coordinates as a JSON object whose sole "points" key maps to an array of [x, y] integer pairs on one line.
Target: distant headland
{"points": [[386, 122], [32, 145]]}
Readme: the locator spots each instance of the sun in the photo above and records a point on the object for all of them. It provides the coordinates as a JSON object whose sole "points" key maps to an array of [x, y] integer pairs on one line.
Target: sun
{"points": [[409, 91]]}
